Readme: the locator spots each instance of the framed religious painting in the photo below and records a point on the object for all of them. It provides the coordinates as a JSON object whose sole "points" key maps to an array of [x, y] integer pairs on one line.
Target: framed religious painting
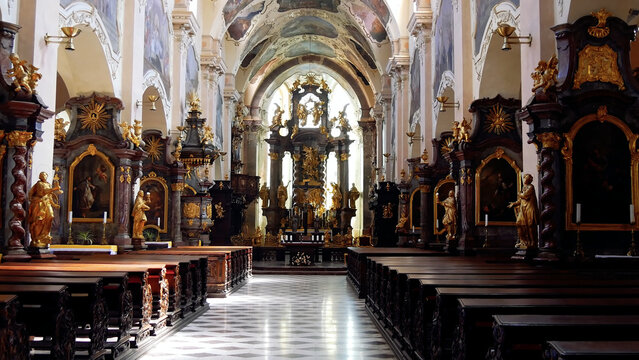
{"points": [[497, 182], [158, 191], [91, 186]]}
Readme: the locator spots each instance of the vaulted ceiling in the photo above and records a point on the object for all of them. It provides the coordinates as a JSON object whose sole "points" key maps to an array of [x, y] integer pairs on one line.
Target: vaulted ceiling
{"points": [[263, 35]]}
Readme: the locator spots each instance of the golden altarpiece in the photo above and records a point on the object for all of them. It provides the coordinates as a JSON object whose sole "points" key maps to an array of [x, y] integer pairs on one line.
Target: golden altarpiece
{"points": [[309, 136]]}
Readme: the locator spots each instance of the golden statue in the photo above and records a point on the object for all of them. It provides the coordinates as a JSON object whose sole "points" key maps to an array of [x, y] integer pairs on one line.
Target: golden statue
{"points": [[456, 130], [388, 211], [138, 213], [317, 112], [310, 164], [353, 195], [207, 135], [25, 77], [277, 117], [129, 132], [264, 195], [341, 118], [450, 215], [526, 215], [42, 200], [60, 134], [464, 131], [337, 197], [302, 114], [401, 223], [545, 74], [194, 101], [295, 131], [282, 195]]}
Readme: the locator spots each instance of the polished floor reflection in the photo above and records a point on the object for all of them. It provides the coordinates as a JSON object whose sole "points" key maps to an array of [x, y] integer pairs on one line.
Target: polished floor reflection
{"points": [[280, 317]]}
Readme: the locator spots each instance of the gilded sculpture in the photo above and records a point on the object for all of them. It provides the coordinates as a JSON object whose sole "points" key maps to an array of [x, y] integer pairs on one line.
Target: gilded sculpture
{"points": [[25, 77], [130, 132], [282, 196], [450, 215], [194, 101], [353, 195], [545, 74], [310, 164], [402, 222], [207, 135], [462, 131], [43, 199], [336, 200], [140, 207], [598, 63], [219, 210], [302, 114], [60, 134], [277, 117], [387, 212], [264, 195], [191, 210], [526, 214], [93, 116], [318, 111], [600, 30]]}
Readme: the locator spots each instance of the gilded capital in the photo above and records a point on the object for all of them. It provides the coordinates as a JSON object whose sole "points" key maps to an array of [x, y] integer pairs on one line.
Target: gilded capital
{"points": [[549, 140], [177, 186], [18, 138], [274, 156]]}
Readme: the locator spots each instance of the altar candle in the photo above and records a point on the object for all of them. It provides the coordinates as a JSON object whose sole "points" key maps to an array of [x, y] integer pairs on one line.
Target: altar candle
{"points": [[578, 215], [437, 226], [632, 214], [158, 222], [456, 190], [104, 218], [413, 228], [70, 217], [486, 220]]}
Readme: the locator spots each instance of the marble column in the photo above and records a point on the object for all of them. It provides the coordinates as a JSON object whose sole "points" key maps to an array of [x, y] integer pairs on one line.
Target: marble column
{"points": [[368, 138], [176, 212], [231, 97], [466, 199], [123, 202]]}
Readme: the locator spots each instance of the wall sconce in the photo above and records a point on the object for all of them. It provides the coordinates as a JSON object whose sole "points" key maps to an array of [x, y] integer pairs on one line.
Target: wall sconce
{"points": [[387, 156], [222, 155], [69, 32], [506, 31], [444, 104], [152, 99], [411, 137]]}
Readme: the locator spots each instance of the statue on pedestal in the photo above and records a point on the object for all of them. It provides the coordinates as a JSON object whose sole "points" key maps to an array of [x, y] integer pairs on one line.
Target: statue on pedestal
{"points": [[353, 195], [526, 214], [337, 197], [450, 215], [264, 192], [282, 195], [42, 200], [139, 214]]}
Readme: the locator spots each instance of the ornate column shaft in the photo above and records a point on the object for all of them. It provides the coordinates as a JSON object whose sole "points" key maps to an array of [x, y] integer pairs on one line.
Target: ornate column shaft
{"points": [[176, 213], [17, 140], [425, 174], [124, 178], [368, 139], [466, 200]]}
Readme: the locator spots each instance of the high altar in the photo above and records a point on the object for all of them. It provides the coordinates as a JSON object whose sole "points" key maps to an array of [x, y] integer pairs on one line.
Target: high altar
{"points": [[309, 137]]}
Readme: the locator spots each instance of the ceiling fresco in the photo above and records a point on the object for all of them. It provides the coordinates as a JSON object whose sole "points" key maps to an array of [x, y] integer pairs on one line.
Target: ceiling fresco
{"points": [[372, 24], [328, 5], [308, 25], [240, 26], [310, 47], [233, 8]]}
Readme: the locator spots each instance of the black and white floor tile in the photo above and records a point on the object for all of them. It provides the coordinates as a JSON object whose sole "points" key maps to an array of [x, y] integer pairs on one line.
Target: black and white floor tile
{"points": [[280, 317]]}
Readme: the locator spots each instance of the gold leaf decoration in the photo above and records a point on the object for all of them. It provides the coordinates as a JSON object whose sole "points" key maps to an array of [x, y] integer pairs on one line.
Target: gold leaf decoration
{"points": [[93, 116], [154, 147], [498, 121], [598, 63], [600, 30], [191, 210]]}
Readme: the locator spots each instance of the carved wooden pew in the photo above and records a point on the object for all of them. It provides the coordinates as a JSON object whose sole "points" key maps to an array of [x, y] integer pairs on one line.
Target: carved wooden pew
{"points": [[116, 293], [422, 307], [522, 337], [473, 333], [88, 306], [14, 340], [240, 260], [139, 285], [356, 263], [592, 350], [48, 318]]}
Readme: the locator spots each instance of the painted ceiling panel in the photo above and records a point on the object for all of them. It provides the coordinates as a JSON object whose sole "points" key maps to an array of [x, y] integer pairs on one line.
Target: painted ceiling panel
{"points": [[310, 47], [328, 5], [309, 25], [372, 24], [242, 24]]}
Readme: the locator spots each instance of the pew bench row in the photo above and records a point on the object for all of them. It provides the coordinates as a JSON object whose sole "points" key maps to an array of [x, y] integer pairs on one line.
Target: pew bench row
{"points": [[464, 308]]}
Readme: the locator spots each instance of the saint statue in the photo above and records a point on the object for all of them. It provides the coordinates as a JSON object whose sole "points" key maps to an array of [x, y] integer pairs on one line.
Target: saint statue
{"points": [[277, 117], [42, 200], [337, 197], [282, 195], [139, 214], [403, 219], [526, 215], [353, 195], [264, 193], [302, 114], [450, 215]]}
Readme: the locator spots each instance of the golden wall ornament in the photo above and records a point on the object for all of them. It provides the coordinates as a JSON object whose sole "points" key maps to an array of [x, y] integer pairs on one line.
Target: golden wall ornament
{"points": [[25, 77], [125, 174], [274, 156], [499, 121], [296, 129], [209, 211], [549, 140], [93, 116], [154, 147], [567, 152], [18, 138], [545, 74], [219, 210], [387, 212], [602, 111], [598, 63], [191, 210], [60, 134], [310, 164], [600, 30], [343, 156], [177, 186]]}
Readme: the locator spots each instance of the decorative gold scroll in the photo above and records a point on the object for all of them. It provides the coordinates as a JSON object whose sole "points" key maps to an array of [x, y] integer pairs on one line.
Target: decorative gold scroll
{"points": [[598, 63]]}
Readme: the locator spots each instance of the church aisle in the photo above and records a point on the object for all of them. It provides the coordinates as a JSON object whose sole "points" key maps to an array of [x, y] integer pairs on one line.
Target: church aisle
{"points": [[280, 317]]}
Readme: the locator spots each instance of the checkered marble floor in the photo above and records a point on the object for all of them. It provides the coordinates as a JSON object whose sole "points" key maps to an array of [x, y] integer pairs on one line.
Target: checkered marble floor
{"points": [[280, 317]]}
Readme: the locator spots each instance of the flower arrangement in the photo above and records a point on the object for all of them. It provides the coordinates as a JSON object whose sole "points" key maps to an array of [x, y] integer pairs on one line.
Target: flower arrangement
{"points": [[301, 259]]}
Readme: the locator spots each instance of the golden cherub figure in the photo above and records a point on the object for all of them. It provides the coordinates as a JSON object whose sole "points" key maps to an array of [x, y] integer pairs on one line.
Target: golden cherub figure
{"points": [[302, 114], [318, 111], [129, 133], [60, 134], [464, 131], [207, 135], [25, 77], [277, 117], [545, 74]]}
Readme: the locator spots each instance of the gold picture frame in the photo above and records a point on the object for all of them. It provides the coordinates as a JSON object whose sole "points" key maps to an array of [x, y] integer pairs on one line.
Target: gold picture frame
{"points": [[499, 154], [567, 153], [412, 222], [152, 221], [107, 172], [440, 184]]}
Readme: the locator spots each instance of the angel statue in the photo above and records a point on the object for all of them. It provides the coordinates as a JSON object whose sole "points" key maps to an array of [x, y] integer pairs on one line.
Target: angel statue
{"points": [[43, 199], [545, 74], [264, 194], [302, 114], [277, 117], [318, 111]]}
